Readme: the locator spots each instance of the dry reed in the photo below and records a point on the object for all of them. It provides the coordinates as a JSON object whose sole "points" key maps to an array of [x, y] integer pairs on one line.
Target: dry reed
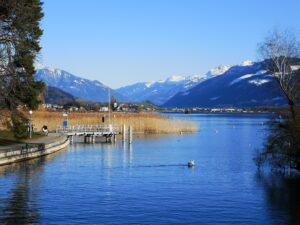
{"points": [[147, 123]]}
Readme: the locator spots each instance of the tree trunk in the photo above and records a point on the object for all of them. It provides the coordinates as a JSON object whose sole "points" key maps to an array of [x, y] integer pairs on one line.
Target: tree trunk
{"points": [[292, 109]]}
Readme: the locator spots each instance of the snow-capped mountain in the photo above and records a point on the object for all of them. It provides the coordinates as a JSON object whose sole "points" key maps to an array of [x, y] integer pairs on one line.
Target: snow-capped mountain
{"points": [[244, 85], [160, 91], [217, 71], [75, 85]]}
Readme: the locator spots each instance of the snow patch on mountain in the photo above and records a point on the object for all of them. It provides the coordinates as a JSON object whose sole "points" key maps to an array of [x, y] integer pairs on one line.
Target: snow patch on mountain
{"points": [[247, 63], [247, 76], [259, 82], [175, 79], [217, 71], [149, 84]]}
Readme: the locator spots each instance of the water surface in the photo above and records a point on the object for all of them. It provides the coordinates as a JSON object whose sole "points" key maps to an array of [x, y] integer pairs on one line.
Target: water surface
{"points": [[149, 182]]}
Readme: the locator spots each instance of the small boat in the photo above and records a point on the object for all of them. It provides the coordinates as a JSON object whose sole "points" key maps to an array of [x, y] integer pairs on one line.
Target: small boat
{"points": [[191, 163]]}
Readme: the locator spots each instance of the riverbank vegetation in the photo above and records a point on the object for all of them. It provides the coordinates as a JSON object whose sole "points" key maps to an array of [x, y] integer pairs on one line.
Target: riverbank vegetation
{"points": [[281, 51], [147, 123]]}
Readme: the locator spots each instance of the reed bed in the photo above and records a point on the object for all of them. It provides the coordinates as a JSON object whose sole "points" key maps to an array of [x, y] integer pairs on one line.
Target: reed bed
{"points": [[144, 123]]}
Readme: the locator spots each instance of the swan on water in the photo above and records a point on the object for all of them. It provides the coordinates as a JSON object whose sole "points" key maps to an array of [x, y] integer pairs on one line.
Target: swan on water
{"points": [[191, 163]]}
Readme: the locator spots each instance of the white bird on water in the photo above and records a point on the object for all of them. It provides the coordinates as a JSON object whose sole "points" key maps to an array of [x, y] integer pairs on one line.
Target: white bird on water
{"points": [[191, 163]]}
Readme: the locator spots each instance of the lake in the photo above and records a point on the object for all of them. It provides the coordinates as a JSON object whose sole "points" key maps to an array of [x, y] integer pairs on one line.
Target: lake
{"points": [[149, 182]]}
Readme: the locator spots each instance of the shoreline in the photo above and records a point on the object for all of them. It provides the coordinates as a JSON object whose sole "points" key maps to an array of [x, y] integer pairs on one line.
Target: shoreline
{"points": [[37, 148]]}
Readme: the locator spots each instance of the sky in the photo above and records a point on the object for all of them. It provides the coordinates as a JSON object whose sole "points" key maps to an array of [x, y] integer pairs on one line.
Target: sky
{"points": [[121, 42]]}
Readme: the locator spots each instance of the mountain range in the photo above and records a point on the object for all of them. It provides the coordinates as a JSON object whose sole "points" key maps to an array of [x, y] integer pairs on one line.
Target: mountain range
{"points": [[75, 85], [161, 91], [243, 85]]}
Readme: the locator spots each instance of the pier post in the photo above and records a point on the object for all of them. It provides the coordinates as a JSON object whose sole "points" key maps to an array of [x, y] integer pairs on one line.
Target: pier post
{"points": [[87, 139], [130, 134], [71, 139], [124, 133], [93, 139]]}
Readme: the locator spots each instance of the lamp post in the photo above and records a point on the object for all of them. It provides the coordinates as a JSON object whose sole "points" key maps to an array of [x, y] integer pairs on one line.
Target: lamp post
{"points": [[30, 124]]}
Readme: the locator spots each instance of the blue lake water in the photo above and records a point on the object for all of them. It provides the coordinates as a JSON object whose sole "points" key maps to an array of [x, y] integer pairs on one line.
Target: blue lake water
{"points": [[149, 182]]}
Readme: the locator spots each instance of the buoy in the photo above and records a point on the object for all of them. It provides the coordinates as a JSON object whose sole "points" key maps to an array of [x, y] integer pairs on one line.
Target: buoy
{"points": [[191, 163]]}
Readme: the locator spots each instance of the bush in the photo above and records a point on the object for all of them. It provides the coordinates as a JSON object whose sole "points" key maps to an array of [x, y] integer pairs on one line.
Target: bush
{"points": [[282, 147]]}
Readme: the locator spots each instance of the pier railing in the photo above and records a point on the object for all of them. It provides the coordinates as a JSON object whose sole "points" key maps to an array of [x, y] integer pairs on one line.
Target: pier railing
{"points": [[87, 128]]}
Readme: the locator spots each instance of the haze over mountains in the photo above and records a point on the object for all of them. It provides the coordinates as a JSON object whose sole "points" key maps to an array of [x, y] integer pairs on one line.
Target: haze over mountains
{"points": [[244, 85]]}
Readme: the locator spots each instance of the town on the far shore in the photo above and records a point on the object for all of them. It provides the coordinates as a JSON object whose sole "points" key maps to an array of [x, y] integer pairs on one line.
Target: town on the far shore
{"points": [[147, 107]]}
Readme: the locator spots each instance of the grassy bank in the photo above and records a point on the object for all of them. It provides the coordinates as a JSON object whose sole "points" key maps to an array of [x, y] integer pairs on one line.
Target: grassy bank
{"points": [[7, 138], [147, 123]]}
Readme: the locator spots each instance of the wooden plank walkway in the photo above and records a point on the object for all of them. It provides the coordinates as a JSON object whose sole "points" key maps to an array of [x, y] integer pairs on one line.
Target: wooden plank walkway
{"points": [[89, 132]]}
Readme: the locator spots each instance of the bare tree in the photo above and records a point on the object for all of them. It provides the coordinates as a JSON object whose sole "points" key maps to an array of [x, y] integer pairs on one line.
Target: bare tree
{"points": [[281, 53]]}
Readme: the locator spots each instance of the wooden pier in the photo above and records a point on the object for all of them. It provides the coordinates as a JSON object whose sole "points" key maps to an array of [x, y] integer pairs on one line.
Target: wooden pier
{"points": [[89, 132]]}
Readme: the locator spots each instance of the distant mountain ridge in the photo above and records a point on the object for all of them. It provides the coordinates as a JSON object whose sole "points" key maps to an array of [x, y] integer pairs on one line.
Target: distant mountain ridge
{"points": [[244, 85], [75, 85], [161, 91], [53, 95]]}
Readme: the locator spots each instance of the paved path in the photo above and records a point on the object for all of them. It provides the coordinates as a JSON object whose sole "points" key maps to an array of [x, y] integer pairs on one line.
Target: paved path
{"points": [[42, 140], [45, 139], [33, 148]]}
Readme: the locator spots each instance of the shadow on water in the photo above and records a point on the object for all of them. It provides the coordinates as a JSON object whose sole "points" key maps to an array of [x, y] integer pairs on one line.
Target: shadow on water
{"points": [[282, 196], [20, 206], [147, 166]]}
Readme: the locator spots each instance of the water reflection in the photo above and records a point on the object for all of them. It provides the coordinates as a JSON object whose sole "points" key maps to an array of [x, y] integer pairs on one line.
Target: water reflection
{"points": [[20, 206], [282, 196], [148, 182]]}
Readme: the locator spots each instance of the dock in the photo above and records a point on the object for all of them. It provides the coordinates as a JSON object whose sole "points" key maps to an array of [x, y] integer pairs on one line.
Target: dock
{"points": [[89, 132]]}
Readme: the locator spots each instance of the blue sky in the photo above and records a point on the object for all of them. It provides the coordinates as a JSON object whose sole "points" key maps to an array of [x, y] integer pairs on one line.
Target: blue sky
{"points": [[120, 42]]}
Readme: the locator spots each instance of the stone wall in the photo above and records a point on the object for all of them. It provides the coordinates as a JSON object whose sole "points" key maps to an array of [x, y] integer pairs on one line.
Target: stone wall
{"points": [[32, 150]]}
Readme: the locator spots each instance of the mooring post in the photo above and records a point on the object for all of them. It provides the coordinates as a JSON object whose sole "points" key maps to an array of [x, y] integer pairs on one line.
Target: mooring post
{"points": [[71, 139], [130, 134], [124, 133], [115, 138], [93, 138]]}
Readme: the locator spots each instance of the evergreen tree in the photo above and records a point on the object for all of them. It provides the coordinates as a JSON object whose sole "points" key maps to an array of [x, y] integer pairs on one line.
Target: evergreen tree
{"points": [[19, 45]]}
